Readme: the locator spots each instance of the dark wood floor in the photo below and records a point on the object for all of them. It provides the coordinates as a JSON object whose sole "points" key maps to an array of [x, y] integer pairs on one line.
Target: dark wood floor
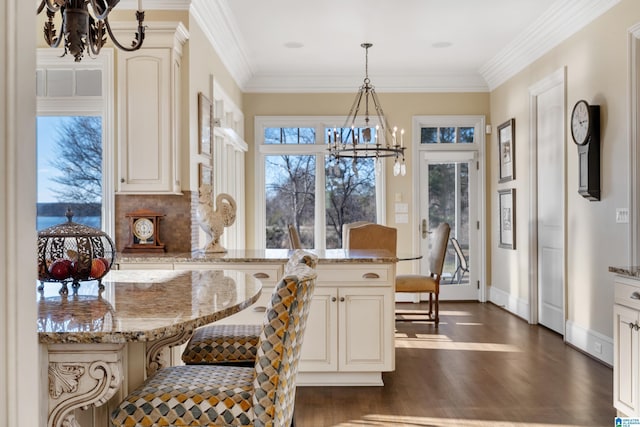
{"points": [[481, 367]]}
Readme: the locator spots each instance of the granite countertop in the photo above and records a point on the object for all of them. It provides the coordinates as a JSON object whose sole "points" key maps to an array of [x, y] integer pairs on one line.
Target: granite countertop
{"points": [[276, 256], [142, 305], [626, 271]]}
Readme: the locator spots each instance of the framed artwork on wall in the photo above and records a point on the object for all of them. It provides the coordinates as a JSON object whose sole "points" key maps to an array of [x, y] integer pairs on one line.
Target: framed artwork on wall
{"points": [[205, 175], [507, 150], [507, 209], [205, 125]]}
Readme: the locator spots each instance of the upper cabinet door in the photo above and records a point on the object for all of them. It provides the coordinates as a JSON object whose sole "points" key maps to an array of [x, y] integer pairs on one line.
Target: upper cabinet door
{"points": [[149, 116]]}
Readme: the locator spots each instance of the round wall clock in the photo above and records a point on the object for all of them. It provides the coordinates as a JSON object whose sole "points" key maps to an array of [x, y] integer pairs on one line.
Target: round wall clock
{"points": [[144, 232], [581, 122]]}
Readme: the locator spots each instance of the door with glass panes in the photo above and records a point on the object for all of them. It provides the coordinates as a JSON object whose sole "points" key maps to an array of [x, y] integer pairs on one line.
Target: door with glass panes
{"points": [[448, 186]]}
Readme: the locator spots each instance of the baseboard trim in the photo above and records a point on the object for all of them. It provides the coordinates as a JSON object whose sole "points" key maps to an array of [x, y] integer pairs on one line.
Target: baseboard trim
{"points": [[589, 341], [517, 306]]}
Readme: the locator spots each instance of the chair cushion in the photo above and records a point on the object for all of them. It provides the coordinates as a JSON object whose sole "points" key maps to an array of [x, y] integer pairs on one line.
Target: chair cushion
{"points": [[416, 283], [195, 395], [223, 343]]}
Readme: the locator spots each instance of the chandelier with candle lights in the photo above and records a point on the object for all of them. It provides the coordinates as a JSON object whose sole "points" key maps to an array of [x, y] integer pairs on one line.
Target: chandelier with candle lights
{"points": [[368, 141], [85, 25]]}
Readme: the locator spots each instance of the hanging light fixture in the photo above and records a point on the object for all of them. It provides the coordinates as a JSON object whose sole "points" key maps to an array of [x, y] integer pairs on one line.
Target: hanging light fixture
{"points": [[368, 141], [84, 27]]}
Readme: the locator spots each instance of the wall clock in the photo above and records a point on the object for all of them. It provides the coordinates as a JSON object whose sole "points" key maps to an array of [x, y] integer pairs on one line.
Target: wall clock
{"points": [[144, 232], [585, 132]]}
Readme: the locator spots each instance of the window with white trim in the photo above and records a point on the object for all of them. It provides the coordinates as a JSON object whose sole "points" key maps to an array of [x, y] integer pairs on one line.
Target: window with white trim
{"points": [[297, 183], [73, 139]]}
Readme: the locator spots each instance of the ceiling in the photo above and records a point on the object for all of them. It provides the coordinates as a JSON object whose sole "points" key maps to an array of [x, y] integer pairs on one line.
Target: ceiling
{"points": [[418, 45]]}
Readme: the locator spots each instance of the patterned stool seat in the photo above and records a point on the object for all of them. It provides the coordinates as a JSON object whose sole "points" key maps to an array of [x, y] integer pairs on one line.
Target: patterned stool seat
{"points": [[234, 344], [216, 395]]}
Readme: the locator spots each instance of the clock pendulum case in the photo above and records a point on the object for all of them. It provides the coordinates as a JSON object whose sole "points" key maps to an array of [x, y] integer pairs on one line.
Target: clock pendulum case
{"points": [[585, 132], [144, 232]]}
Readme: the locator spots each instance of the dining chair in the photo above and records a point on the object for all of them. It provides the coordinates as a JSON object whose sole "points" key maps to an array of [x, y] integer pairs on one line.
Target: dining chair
{"points": [[463, 265], [418, 283], [347, 227], [235, 344], [294, 237], [212, 395], [373, 236]]}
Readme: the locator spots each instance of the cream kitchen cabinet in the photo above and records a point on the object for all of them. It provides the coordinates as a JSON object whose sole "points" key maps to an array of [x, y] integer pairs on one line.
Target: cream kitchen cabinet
{"points": [[149, 82], [626, 337], [350, 336]]}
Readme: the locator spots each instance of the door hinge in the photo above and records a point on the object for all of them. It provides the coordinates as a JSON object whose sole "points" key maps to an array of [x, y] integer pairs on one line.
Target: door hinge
{"points": [[477, 165], [478, 284], [477, 225]]}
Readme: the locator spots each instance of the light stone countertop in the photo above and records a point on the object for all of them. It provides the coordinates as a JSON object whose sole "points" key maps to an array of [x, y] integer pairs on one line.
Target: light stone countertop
{"points": [[276, 256], [142, 305], [633, 272]]}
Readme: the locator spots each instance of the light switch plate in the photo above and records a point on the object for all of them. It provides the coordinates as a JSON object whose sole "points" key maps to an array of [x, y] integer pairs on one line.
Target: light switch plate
{"points": [[622, 215]]}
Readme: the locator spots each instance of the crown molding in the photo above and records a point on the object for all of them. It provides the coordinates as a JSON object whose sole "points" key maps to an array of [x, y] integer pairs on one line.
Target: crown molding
{"points": [[558, 23], [318, 83], [219, 26], [155, 4]]}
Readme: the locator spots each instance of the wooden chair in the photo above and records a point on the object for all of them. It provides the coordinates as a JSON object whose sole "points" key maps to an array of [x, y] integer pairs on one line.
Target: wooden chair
{"points": [[235, 344], [463, 265], [211, 395], [294, 237], [418, 283]]}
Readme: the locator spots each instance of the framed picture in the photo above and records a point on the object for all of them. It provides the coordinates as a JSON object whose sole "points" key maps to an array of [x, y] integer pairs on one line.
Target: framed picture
{"points": [[507, 150], [205, 125], [205, 175], [507, 206]]}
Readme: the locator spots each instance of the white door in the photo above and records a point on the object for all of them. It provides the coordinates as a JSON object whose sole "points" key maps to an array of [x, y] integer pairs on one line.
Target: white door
{"points": [[550, 212], [448, 193]]}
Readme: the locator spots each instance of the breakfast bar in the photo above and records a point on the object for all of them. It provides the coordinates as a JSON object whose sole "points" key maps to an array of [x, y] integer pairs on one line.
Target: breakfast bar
{"points": [[97, 343]]}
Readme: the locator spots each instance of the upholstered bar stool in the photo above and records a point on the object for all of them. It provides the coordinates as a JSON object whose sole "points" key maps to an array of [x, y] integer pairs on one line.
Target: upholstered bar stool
{"points": [[234, 344], [210, 395]]}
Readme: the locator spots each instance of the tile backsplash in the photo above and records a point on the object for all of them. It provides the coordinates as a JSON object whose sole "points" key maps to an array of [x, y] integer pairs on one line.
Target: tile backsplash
{"points": [[178, 228]]}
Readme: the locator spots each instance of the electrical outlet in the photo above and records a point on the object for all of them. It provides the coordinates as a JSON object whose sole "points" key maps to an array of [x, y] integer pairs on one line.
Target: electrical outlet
{"points": [[598, 347], [622, 215]]}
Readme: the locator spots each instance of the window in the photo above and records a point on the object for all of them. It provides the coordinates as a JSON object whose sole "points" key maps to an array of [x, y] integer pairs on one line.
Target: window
{"points": [[73, 142], [447, 135], [300, 184]]}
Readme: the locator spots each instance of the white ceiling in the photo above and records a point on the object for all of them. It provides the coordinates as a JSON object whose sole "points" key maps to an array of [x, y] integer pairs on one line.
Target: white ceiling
{"points": [[418, 45]]}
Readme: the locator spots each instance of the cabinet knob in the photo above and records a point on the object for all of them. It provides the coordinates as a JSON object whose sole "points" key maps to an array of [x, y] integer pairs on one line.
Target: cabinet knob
{"points": [[341, 299], [636, 326], [334, 299], [122, 180], [635, 295], [630, 325]]}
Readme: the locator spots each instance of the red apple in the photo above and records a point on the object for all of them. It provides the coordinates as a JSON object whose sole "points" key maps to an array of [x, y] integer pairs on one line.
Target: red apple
{"points": [[60, 269], [97, 269], [106, 263]]}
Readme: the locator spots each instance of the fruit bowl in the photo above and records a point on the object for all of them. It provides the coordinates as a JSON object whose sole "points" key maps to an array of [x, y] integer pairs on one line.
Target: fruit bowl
{"points": [[73, 253]]}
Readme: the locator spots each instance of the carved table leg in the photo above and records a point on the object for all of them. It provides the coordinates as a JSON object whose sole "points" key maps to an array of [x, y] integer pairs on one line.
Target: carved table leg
{"points": [[154, 350], [81, 375]]}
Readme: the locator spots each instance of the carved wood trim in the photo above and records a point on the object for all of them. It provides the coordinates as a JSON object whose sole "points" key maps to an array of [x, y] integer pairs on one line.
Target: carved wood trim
{"points": [[154, 350]]}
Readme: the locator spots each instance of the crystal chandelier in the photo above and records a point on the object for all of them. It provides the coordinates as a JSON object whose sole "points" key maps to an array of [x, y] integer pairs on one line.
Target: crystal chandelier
{"points": [[84, 27], [368, 141]]}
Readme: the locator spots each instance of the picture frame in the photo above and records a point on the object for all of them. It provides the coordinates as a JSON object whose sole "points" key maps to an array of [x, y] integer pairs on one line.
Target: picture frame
{"points": [[507, 150], [507, 215], [205, 175], [205, 125]]}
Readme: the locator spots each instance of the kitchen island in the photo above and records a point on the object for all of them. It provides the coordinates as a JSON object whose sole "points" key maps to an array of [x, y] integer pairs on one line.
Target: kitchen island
{"points": [[350, 331], [97, 343]]}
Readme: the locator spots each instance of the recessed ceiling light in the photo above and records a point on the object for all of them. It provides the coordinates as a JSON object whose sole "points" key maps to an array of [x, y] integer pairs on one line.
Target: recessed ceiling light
{"points": [[440, 45], [293, 45]]}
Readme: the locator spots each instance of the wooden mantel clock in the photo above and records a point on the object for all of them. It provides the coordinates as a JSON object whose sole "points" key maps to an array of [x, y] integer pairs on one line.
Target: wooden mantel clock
{"points": [[144, 232]]}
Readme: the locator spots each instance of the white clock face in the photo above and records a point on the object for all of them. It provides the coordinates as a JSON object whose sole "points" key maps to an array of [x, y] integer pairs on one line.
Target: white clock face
{"points": [[143, 228], [580, 123]]}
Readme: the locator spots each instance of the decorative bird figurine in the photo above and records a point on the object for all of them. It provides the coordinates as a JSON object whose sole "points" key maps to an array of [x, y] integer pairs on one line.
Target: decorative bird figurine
{"points": [[213, 221]]}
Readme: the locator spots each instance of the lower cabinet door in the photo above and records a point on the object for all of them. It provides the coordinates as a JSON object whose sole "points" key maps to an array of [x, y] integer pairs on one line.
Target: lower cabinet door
{"points": [[365, 333], [320, 345], [625, 366]]}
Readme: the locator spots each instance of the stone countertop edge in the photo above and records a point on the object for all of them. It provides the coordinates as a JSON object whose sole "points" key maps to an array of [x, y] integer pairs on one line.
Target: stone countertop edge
{"points": [[274, 256], [626, 271]]}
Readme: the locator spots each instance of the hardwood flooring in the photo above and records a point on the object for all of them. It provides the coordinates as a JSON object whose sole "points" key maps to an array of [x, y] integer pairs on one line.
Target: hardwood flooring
{"points": [[482, 367]]}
